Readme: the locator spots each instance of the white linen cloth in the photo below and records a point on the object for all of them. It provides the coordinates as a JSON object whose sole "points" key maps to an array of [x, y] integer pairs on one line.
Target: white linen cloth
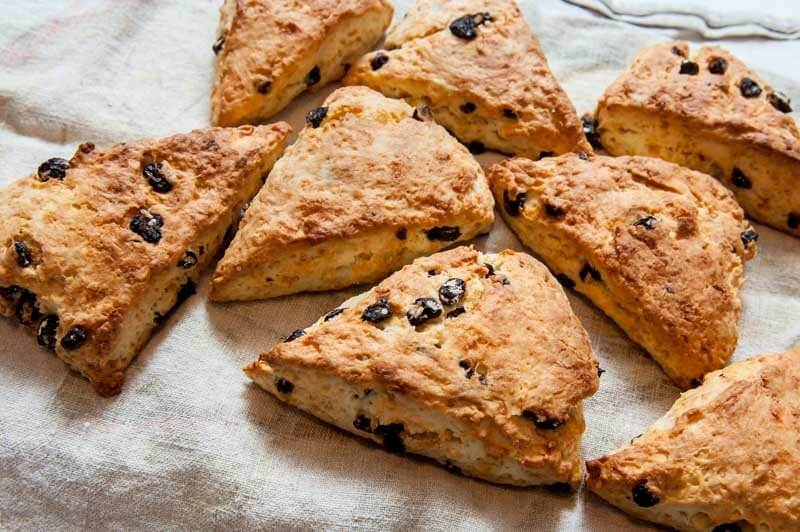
{"points": [[713, 19], [190, 444]]}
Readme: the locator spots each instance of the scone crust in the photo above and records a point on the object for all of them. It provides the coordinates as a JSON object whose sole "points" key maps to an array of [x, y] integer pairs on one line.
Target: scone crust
{"points": [[89, 267], [527, 349], [726, 452], [370, 165], [502, 70], [271, 41], [680, 278]]}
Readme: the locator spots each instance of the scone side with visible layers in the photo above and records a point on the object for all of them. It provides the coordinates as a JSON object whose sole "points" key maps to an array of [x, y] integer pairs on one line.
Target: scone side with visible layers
{"points": [[483, 74], [370, 185], [474, 360], [709, 112], [270, 51], [725, 457], [659, 248], [95, 251]]}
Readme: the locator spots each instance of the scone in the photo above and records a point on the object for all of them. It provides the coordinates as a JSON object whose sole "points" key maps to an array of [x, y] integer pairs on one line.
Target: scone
{"points": [[370, 185], [725, 458], [657, 247], [474, 360], [96, 250], [709, 112], [270, 51], [483, 74]]}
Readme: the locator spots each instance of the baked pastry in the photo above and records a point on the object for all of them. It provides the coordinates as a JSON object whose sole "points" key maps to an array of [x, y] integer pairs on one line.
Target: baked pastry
{"points": [[370, 185], [483, 74], [726, 457], [95, 251], [474, 360], [270, 51], [709, 112], [657, 247]]}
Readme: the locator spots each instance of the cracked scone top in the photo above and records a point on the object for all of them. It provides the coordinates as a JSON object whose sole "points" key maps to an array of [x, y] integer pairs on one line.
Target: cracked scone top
{"points": [[270, 51], [95, 251], [708, 111], [370, 185], [657, 247], [474, 360], [724, 458], [482, 72]]}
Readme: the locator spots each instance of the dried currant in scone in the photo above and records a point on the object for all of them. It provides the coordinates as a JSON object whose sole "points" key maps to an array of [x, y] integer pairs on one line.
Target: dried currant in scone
{"points": [[466, 27], [718, 66], [541, 421], [55, 168], [444, 233], [284, 386], [188, 261], [514, 206], [156, 178], [401, 233], [677, 51], [147, 225], [509, 113], [316, 116], [590, 130], [648, 222], [46, 331], [332, 314], [313, 77], [28, 308], [468, 108], [218, 44], [456, 312], [186, 291], [452, 291], [780, 101], [422, 114], [553, 211], [363, 423], [642, 495], [264, 87], [377, 312], [476, 147], [378, 60], [24, 258], [740, 180], [469, 371], [391, 436], [689, 68], [423, 310], [749, 88], [297, 333], [748, 237], [74, 338]]}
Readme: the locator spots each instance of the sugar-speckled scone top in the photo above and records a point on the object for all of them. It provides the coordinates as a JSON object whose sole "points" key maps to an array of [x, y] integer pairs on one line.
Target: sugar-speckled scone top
{"points": [[263, 43], [370, 164], [503, 70], [86, 263], [726, 453], [666, 242], [654, 82]]}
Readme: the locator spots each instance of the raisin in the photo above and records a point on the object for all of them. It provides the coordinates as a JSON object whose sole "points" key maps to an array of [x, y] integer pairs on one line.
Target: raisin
{"points": [[748, 237], [509, 113], [583, 156], [456, 312], [218, 44], [332, 314], [642, 495], [363, 423], [749, 88], [591, 130], [600, 371], [476, 147], [718, 66], [553, 211], [74, 338], [284, 386], [377, 312], [156, 179], [677, 51], [265, 87], [780, 101], [444, 233], [469, 371], [46, 331], [588, 271], [297, 333], [28, 308], [740, 180], [158, 318], [546, 154], [378, 60], [727, 527], [147, 225], [466, 27], [452, 291], [468, 108], [422, 114], [391, 436], [451, 467], [186, 291], [188, 261], [315, 117], [24, 258], [422, 310], [565, 281], [401, 233], [793, 221], [55, 168], [689, 68], [489, 269], [313, 77], [515, 206], [541, 421], [648, 222]]}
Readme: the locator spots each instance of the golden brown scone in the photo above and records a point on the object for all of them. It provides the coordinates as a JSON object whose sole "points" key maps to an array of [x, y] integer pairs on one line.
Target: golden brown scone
{"points": [[95, 251], [657, 247], [482, 72], [709, 112], [474, 360], [270, 51], [370, 185], [725, 458]]}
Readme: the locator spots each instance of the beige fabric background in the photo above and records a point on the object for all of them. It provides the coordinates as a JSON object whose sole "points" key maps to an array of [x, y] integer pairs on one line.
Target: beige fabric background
{"points": [[189, 444]]}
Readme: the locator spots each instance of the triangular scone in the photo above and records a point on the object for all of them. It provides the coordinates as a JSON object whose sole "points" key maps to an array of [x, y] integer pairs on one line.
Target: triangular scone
{"points": [[270, 51], [480, 69], [726, 457], [95, 251], [369, 186], [474, 360], [657, 247], [709, 112]]}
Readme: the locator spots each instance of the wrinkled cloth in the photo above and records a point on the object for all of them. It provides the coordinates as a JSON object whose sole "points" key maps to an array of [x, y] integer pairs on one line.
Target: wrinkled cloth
{"points": [[715, 19], [190, 443]]}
